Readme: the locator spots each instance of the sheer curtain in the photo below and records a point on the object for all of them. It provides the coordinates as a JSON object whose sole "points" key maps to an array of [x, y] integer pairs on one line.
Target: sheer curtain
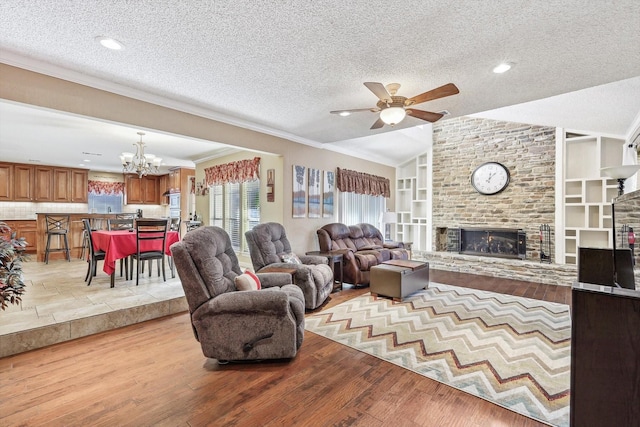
{"points": [[361, 197], [356, 208]]}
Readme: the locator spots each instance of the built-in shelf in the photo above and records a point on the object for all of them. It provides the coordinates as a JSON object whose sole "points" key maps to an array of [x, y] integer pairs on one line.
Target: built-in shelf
{"points": [[412, 202], [587, 195]]}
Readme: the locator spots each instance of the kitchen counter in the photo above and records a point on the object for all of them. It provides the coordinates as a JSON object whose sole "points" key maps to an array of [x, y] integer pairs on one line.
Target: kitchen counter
{"points": [[75, 232]]}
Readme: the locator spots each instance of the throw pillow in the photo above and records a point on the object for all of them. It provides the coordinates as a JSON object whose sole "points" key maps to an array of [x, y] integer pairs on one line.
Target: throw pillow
{"points": [[247, 281], [290, 258]]}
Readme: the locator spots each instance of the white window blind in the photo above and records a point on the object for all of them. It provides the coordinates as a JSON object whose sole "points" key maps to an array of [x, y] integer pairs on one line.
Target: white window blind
{"points": [[236, 208], [356, 208]]}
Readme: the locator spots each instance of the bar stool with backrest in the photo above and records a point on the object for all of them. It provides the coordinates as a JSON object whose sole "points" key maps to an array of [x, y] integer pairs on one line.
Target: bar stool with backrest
{"points": [[121, 224], [94, 256], [58, 226], [149, 231]]}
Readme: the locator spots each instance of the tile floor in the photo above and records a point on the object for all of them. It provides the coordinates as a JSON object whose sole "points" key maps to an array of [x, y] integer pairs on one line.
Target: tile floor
{"points": [[58, 305]]}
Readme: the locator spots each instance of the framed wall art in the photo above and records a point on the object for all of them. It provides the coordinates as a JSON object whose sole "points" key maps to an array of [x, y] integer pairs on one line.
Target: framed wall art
{"points": [[315, 198], [328, 191], [299, 194], [271, 184]]}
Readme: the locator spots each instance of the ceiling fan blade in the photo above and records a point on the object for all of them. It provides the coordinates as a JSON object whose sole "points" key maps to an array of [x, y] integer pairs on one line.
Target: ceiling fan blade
{"points": [[355, 110], [424, 115], [378, 124], [379, 90], [440, 92]]}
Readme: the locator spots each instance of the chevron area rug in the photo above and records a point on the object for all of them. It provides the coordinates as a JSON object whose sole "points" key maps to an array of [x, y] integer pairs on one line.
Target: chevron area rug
{"points": [[512, 351]]}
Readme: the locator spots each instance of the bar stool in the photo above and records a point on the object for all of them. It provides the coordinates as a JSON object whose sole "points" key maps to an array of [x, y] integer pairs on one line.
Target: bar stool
{"points": [[57, 225]]}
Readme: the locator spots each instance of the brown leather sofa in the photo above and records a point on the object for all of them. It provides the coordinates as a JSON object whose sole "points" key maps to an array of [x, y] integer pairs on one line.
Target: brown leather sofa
{"points": [[362, 246]]}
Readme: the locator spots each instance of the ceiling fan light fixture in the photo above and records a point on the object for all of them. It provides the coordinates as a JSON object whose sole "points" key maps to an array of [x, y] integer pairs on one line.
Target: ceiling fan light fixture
{"points": [[393, 115]]}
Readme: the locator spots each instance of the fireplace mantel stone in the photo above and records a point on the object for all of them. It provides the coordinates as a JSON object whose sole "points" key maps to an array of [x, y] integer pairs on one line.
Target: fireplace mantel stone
{"points": [[530, 271]]}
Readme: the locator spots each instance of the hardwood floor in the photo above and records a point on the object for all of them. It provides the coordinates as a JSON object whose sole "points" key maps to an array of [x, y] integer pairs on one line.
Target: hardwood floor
{"points": [[154, 373]]}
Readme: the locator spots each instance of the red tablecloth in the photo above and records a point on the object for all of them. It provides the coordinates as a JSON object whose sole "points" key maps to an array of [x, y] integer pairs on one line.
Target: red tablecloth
{"points": [[120, 244]]}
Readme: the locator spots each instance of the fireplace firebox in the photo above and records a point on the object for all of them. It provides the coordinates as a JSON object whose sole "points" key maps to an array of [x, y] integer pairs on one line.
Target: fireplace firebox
{"points": [[495, 242]]}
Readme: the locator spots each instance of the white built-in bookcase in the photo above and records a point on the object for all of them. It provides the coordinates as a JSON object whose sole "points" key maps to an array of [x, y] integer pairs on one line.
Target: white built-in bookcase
{"points": [[413, 202], [586, 193]]}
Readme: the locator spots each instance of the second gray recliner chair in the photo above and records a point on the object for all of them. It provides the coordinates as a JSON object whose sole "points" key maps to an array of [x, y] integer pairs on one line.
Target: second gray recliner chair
{"points": [[268, 245]]}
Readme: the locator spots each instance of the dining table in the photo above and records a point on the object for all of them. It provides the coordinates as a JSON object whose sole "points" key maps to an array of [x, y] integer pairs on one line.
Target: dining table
{"points": [[119, 244]]}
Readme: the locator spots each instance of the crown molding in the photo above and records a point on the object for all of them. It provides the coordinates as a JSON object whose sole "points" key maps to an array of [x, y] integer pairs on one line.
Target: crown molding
{"points": [[14, 59], [42, 67]]}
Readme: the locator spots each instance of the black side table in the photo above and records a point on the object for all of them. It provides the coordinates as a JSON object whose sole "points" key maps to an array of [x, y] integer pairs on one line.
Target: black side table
{"points": [[333, 258]]}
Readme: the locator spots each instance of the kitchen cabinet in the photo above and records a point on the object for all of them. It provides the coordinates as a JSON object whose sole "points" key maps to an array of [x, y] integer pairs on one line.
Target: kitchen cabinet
{"points": [[6, 181], [43, 184], [61, 185], [151, 193], [79, 186], [163, 184], [30, 183], [23, 183], [26, 229], [174, 180], [141, 191]]}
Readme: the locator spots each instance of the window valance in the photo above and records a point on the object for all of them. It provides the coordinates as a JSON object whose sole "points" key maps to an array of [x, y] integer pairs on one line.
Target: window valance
{"points": [[362, 183], [106, 188], [240, 171]]}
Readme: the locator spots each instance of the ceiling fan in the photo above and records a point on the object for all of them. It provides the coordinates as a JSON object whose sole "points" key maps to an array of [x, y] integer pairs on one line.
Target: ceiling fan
{"points": [[393, 108]]}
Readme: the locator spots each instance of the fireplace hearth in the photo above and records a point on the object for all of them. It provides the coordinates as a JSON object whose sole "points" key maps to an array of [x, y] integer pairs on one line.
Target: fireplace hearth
{"points": [[493, 242]]}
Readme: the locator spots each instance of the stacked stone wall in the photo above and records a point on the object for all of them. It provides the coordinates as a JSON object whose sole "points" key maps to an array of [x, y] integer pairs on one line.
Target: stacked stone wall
{"points": [[528, 151]]}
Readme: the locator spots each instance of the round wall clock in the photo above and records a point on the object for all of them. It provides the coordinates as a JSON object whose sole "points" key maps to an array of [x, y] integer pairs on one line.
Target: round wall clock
{"points": [[490, 178]]}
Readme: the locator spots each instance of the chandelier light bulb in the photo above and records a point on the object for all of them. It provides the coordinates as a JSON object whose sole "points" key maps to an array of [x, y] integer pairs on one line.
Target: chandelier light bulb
{"points": [[393, 115]]}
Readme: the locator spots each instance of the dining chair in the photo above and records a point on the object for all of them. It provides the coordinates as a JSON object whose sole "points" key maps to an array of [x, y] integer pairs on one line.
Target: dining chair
{"points": [[94, 256], [96, 224], [150, 231], [174, 225], [121, 224], [57, 225]]}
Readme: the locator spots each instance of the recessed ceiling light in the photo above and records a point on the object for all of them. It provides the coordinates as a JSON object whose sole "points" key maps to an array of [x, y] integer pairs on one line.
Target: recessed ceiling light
{"points": [[344, 114], [86, 161], [502, 68], [110, 43]]}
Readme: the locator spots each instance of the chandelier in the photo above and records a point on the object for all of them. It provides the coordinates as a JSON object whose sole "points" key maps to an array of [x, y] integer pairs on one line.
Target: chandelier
{"points": [[140, 163]]}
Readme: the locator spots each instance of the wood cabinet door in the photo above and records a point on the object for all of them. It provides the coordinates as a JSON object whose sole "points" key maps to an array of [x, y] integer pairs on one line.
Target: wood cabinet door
{"points": [[6, 182], [134, 190], [61, 185], [26, 229], [23, 183], [163, 186], [43, 184], [174, 180], [151, 195], [79, 186]]}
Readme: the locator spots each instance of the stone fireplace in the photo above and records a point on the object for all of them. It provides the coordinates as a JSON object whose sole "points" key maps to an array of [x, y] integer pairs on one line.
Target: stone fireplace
{"points": [[492, 242]]}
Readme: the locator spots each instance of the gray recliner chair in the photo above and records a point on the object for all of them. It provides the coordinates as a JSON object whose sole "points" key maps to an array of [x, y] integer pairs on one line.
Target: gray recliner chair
{"points": [[231, 324], [268, 244]]}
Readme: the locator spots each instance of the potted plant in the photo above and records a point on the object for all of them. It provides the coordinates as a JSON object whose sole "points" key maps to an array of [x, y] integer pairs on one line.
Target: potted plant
{"points": [[11, 257]]}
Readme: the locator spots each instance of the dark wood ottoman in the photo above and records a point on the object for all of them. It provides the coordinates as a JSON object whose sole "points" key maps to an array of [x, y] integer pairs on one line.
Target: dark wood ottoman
{"points": [[398, 278]]}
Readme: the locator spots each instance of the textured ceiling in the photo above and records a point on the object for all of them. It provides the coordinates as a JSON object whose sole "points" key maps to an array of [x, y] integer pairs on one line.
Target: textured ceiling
{"points": [[282, 66]]}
